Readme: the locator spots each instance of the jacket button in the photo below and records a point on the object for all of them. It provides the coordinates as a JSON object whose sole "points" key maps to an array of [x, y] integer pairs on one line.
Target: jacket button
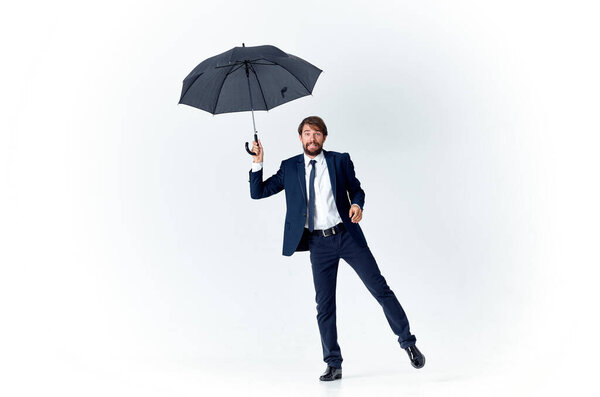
{"points": [[304, 214]]}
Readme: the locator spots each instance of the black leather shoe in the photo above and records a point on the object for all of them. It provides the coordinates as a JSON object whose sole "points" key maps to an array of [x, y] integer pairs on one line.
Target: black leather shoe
{"points": [[331, 374], [417, 359]]}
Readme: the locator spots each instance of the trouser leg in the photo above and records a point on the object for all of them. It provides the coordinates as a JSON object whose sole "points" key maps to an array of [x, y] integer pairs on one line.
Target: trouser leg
{"points": [[364, 264], [324, 262]]}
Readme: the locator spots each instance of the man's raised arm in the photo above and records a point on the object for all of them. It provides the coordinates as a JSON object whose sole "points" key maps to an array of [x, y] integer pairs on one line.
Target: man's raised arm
{"points": [[258, 188]]}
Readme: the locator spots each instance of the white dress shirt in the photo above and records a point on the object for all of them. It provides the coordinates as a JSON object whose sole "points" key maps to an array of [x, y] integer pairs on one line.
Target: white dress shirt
{"points": [[326, 213]]}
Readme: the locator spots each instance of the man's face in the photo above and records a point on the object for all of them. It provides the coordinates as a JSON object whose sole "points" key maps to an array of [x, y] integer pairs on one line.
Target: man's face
{"points": [[312, 140]]}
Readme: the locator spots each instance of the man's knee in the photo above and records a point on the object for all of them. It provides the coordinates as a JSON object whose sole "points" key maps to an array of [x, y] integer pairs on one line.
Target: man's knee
{"points": [[379, 287], [325, 306]]}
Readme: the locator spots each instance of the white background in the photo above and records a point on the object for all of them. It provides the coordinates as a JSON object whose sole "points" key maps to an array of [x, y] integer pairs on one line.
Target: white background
{"points": [[133, 261]]}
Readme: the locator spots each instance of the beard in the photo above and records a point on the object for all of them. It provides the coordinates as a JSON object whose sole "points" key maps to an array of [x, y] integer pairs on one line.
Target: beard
{"points": [[314, 152]]}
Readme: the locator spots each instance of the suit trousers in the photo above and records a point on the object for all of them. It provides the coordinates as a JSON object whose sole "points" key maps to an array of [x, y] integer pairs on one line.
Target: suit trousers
{"points": [[325, 254]]}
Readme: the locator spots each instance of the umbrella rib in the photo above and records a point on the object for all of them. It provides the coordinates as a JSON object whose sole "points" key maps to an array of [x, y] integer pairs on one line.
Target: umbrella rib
{"points": [[228, 66], [269, 64], [190, 86], [260, 59], [221, 87], [284, 68], [231, 71], [259, 86]]}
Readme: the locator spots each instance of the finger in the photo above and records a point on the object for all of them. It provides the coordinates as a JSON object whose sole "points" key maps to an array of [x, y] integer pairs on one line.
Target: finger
{"points": [[357, 215]]}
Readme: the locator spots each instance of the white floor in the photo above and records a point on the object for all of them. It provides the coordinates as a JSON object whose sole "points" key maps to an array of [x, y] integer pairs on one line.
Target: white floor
{"points": [[198, 376]]}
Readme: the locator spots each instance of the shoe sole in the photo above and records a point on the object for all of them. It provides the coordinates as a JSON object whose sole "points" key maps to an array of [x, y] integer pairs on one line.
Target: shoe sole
{"points": [[329, 380]]}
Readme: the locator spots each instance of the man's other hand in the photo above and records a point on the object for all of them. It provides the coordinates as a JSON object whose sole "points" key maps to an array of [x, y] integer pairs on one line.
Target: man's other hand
{"points": [[258, 149], [355, 213]]}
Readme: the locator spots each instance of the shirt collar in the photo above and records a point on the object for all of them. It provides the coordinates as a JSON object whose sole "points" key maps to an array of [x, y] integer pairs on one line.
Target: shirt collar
{"points": [[320, 158]]}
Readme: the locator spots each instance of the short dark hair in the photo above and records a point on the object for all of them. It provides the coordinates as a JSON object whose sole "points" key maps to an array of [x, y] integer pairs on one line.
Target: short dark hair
{"points": [[314, 121]]}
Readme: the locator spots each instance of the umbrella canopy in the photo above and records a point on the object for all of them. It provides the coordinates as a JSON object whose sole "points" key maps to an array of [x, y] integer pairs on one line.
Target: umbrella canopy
{"points": [[248, 78]]}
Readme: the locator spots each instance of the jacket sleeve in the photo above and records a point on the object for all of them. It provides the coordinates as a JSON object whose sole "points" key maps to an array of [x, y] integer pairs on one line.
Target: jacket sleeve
{"points": [[356, 194], [273, 185]]}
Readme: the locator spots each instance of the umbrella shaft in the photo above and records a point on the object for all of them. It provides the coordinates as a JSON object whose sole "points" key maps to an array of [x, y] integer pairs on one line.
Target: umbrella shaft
{"points": [[253, 123], [250, 93]]}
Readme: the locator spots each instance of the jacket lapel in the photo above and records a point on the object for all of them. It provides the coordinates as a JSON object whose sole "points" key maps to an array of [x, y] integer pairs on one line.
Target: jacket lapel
{"points": [[302, 176], [331, 169]]}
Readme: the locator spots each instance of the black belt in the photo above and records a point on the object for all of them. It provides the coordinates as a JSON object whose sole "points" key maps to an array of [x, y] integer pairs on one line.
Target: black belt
{"points": [[329, 232]]}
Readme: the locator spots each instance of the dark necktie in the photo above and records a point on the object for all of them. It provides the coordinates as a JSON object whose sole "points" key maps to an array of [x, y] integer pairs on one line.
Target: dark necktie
{"points": [[311, 197]]}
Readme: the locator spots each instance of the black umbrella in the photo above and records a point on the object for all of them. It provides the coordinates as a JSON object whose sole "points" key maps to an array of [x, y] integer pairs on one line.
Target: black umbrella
{"points": [[248, 78]]}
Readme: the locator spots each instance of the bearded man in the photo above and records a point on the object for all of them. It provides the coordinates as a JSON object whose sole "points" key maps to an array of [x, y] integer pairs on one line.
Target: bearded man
{"points": [[324, 206]]}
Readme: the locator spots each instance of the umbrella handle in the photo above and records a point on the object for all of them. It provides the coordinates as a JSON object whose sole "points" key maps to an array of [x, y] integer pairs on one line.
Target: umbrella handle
{"points": [[251, 153]]}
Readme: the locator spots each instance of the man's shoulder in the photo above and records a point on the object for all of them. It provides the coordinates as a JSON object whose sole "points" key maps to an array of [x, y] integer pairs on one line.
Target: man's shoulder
{"points": [[335, 154], [337, 157], [294, 159]]}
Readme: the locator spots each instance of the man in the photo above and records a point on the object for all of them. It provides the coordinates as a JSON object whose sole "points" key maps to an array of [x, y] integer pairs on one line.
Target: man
{"points": [[324, 205]]}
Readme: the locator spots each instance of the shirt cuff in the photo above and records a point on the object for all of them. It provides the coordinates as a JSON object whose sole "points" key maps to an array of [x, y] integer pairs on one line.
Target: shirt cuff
{"points": [[256, 167]]}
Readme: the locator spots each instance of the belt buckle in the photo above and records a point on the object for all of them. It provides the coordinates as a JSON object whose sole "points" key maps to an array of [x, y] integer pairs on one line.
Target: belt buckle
{"points": [[329, 232]]}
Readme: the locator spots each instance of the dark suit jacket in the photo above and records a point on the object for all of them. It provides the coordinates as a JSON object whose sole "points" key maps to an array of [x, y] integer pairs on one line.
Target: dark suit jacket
{"points": [[291, 177]]}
